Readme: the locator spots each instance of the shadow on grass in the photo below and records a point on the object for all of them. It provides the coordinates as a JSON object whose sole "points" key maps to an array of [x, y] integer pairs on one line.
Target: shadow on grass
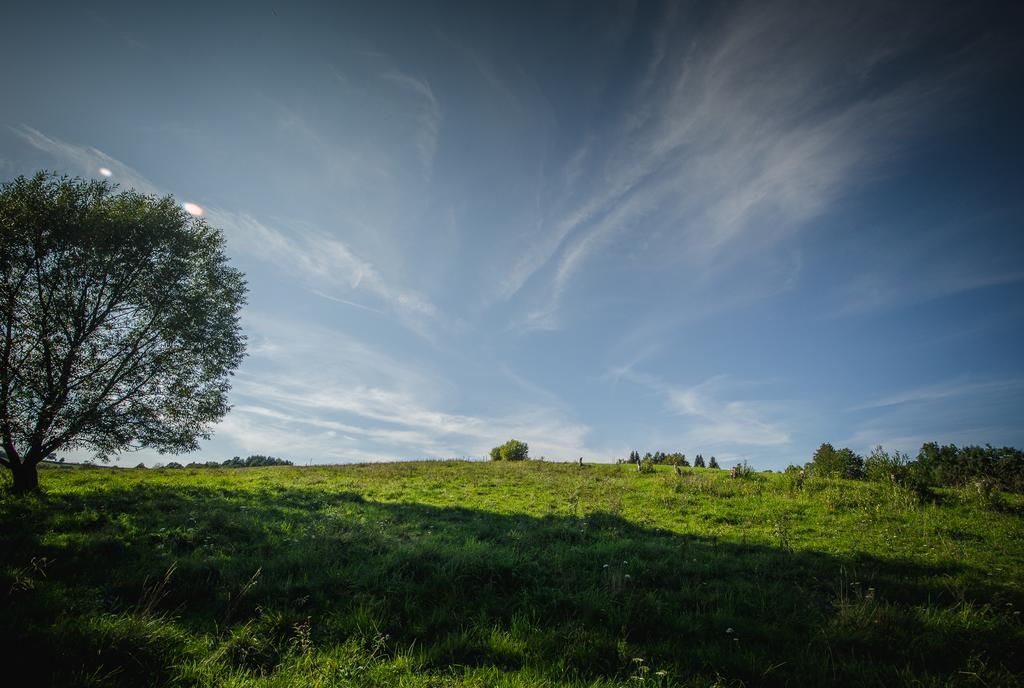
{"points": [[257, 572]]}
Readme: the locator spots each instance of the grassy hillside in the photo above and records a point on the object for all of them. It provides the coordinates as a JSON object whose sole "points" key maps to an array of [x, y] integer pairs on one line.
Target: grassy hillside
{"points": [[506, 574]]}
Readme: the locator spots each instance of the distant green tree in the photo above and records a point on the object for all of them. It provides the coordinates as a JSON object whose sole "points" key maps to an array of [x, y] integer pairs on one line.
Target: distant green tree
{"points": [[698, 462], [852, 463], [712, 463], [829, 462], [676, 459], [513, 450], [824, 462]]}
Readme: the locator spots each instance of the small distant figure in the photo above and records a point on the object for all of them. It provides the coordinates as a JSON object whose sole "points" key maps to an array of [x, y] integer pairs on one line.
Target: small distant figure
{"points": [[581, 462], [679, 471], [638, 467]]}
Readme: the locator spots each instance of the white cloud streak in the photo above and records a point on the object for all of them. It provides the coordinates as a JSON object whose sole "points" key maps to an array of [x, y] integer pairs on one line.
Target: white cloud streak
{"points": [[943, 391], [428, 116], [321, 394], [86, 160], [739, 137], [397, 425], [877, 290], [317, 259], [714, 420]]}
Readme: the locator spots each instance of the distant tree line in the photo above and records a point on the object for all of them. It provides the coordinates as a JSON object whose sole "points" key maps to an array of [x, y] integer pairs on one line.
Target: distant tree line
{"points": [[935, 466], [251, 461], [660, 458]]}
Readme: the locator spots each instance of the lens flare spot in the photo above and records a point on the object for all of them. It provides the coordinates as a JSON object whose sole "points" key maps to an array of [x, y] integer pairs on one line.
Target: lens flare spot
{"points": [[105, 171], [193, 209]]}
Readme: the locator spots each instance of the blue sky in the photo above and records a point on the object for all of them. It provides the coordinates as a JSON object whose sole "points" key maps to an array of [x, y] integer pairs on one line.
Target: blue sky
{"points": [[739, 229]]}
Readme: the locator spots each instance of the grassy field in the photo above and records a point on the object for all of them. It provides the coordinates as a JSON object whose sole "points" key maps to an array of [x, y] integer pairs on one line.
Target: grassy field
{"points": [[505, 574]]}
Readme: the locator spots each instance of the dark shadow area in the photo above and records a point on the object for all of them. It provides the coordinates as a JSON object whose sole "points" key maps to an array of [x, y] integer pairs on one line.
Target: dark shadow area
{"points": [[570, 596]]}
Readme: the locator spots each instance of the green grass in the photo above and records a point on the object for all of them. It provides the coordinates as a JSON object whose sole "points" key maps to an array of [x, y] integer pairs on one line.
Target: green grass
{"points": [[506, 574]]}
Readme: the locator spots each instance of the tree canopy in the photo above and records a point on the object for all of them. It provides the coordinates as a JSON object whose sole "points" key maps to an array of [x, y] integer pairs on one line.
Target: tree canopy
{"points": [[837, 463], [119, 319]]}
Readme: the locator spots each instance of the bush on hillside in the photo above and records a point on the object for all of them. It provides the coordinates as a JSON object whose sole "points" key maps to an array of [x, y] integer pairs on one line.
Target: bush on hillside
{"points": [[742, 470], [881, 466], [513, 450]]}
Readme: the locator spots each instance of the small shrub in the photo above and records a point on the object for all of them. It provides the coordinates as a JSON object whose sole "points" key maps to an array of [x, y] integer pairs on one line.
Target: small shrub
{"points": [[782, 531], [794, 479], [982, 492], [742, 470], [908, 488], [881, 466]]}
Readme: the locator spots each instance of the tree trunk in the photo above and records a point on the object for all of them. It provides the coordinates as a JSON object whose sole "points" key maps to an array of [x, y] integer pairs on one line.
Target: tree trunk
{"points": [[26, 478]]}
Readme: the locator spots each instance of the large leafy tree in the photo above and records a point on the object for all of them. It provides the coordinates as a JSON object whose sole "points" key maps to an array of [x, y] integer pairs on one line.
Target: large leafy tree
{"points": [[119, 319]]}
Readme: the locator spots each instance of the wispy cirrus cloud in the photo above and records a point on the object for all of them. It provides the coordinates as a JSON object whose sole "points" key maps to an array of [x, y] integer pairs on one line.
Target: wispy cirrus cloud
{"points": [[942, 391], [319, 260], [957, 410], [315, 258], [86, 160], [717, 415], [739, 136], [875, 291], [943, 264], [394, 424], [428, 116], [348, 401]]}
